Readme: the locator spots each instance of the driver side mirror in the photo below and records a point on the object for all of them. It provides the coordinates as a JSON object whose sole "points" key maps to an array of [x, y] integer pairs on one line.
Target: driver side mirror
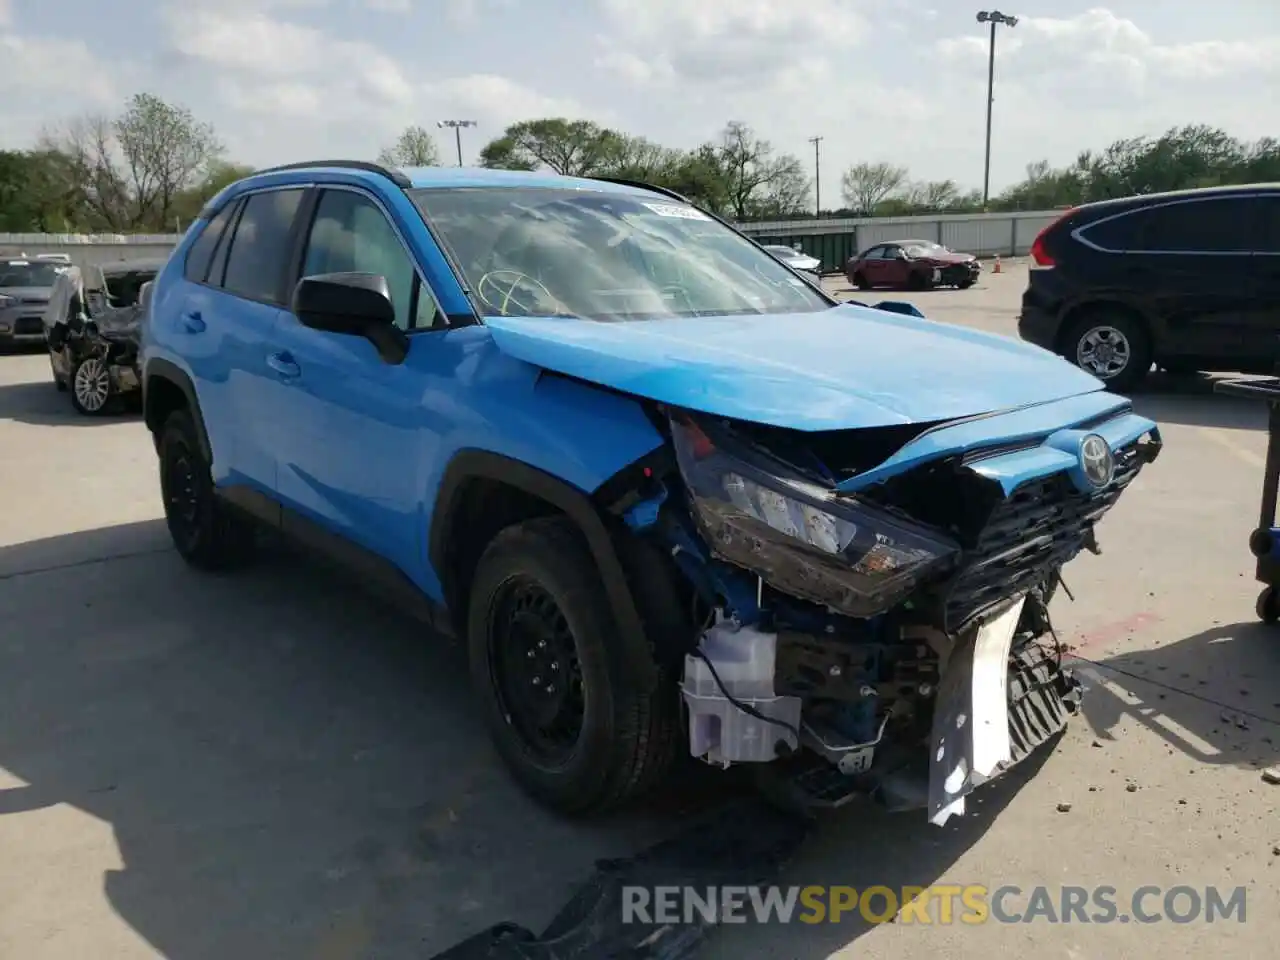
{"points": [[351, 304]]}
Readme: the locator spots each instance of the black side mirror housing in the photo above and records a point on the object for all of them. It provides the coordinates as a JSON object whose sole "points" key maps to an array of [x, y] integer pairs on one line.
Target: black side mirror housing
{"points": [[352, 304]]}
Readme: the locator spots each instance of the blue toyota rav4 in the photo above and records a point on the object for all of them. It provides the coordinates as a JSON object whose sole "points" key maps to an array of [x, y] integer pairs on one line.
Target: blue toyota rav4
{"points": [[674, 498]]}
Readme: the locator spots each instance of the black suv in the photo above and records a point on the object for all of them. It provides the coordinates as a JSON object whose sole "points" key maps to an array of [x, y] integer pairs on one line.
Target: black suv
{"points": [[1187, 280]]}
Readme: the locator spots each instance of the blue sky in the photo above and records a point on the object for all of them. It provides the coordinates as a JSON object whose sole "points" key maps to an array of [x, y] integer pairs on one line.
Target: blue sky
{"points": [[879, 79]]}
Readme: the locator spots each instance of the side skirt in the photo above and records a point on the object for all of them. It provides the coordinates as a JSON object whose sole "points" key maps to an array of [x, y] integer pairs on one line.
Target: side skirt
{"points": [[377, 575]]}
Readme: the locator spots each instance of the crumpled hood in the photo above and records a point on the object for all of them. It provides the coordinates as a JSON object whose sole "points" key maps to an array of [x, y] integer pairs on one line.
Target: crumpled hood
{"points": [[838, 369], [945, 258]]}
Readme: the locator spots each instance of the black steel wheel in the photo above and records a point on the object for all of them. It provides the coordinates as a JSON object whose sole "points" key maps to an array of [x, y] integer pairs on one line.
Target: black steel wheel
{"points": [[206, 531], [569, 722]]}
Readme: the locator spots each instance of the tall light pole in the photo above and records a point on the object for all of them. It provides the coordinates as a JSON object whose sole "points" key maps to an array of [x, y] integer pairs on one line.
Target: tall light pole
{"points": [[817, 178], [992, 17], [456, 126]]}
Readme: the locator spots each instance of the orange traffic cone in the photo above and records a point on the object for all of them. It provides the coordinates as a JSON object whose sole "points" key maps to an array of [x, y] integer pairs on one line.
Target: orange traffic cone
{"points": [[996, 268]]}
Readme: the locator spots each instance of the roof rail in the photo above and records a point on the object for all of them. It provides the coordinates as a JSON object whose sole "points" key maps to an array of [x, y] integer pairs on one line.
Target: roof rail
{"points": [[640, 184], [395, 176]]}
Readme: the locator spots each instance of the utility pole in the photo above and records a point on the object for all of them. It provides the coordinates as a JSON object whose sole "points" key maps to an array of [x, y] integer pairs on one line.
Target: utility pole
{"points": [[456, 126], [992, 17], [817, 178]]}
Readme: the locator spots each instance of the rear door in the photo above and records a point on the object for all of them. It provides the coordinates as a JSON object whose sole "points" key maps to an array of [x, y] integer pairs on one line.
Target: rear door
{"points": [[227, 323], [1188, 264], [1266, 269]]}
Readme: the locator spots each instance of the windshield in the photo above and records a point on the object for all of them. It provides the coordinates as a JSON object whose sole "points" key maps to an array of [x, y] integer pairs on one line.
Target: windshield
{"points": [[605, 256], [24, 273]]}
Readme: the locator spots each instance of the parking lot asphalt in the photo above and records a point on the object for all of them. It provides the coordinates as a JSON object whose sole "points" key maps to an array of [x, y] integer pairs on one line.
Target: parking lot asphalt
{"points": [[274, 765]]}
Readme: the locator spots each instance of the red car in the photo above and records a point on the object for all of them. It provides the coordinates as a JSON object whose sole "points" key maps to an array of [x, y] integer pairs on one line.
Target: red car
{"points": [[914, 264]]}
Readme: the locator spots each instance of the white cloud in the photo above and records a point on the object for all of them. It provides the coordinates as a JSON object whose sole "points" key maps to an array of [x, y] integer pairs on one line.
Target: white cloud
{"points": [[720, 42], [295, 84]]}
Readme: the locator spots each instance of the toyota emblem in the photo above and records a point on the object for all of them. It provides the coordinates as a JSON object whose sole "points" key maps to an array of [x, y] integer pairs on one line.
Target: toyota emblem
{"points": [[1097, 460]]}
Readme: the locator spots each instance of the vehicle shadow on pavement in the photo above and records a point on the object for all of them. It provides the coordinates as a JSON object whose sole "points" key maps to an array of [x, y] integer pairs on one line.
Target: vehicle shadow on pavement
{"points": [[290, 769], [863, 846], [43, 405], [1214, 696], [1190, 400]]}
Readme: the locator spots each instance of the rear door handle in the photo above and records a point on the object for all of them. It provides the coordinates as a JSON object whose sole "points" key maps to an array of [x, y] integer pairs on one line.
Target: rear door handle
{"points": [[284, 365], [192, 322]]}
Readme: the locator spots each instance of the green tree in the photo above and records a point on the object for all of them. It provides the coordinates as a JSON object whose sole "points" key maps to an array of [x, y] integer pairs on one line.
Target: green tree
{"points": [[574, 148]]}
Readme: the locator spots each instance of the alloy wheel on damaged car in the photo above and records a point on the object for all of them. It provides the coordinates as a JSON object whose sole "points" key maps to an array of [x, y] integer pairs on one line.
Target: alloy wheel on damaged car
{"points": [[91, 385]]}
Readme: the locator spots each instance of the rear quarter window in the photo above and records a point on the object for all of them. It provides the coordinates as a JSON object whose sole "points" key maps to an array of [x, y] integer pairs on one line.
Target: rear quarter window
{"points": [[1213, 226]]}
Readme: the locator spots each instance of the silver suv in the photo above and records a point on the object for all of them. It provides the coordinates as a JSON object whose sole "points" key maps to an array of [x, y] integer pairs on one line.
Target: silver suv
{"points": [[25, 286]]}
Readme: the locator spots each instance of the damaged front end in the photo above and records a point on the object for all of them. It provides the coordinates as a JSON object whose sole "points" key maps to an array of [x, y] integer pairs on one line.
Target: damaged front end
{"points": [[876, 600], [97, 357]]}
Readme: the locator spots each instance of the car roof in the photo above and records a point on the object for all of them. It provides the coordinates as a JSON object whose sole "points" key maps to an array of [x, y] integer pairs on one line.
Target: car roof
{"points": [[1170, 195], [434, 178]]}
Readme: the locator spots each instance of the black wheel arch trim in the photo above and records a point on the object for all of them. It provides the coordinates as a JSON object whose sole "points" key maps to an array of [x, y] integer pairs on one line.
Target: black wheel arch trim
{"points": [[637, 654], [161, 369]]}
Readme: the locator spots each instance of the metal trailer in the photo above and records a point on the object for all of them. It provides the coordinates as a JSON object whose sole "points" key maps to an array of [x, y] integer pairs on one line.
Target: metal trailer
{"points": [[1264, 542]]}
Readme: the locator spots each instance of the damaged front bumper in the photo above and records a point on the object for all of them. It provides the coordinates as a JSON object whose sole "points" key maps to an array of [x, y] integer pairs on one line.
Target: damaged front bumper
{"points": [[888, 637]]}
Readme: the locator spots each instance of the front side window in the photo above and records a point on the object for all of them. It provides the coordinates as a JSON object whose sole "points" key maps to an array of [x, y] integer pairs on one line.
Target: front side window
{"points": [[351, 234], [605, 256], [260, 246]]}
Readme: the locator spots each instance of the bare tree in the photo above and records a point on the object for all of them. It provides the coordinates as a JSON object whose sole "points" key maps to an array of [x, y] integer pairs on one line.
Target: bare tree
{"points": [[865, 184], [88, 148], [933, 194], [415, 147], [758, 180]]}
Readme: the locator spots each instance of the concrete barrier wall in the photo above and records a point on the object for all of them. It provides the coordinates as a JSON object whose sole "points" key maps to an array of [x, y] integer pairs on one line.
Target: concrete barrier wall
{"points": [[87, 250]]}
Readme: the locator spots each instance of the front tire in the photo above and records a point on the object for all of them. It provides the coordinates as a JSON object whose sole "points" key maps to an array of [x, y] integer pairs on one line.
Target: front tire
{"points": [[90, 385], [206, 532], [861, 282], [574, 730], [1111, 344]]}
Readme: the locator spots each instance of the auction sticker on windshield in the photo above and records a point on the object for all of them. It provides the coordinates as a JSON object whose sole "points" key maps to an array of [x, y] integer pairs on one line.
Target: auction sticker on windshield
{"points": [[673, 210]]}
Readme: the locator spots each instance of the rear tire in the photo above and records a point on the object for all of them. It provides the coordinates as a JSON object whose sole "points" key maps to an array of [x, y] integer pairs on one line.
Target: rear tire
{"points": [[1112, 344], [574, 730], [207, 533]]}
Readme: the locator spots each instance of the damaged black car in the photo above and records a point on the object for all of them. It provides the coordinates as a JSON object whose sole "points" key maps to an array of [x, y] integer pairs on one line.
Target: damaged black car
{"points": [[93, 330]]}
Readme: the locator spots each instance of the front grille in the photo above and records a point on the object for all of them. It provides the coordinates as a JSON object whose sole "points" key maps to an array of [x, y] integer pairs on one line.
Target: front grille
{"points": [[1027, 536]]}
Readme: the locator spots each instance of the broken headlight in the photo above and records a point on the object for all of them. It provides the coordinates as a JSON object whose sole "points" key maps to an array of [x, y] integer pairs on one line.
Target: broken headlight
{"points": [[760, 514]]}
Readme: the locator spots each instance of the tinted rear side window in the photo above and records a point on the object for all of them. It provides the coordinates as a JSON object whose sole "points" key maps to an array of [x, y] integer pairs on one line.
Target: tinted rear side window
{"points": [[260, 246], [1220, 225], [201, 253], [1268, 225]]}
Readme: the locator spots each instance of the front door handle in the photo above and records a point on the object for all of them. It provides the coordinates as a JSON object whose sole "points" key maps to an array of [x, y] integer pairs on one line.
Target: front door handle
{"points": [[284, 365], [192, 322]]}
